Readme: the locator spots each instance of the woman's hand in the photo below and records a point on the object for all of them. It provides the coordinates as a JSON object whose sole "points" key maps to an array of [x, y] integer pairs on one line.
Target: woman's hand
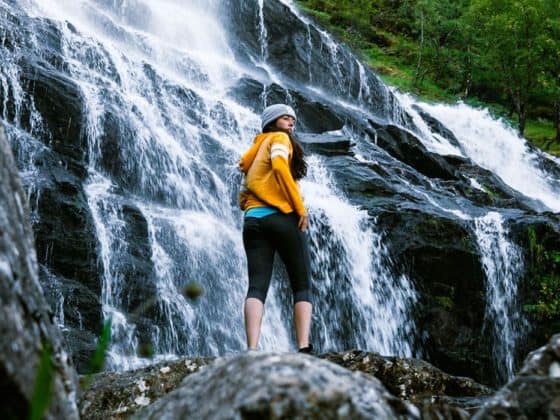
{"points": [[302, 223]]}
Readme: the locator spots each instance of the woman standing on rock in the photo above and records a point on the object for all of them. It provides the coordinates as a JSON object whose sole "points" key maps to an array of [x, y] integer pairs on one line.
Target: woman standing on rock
{"points": [[275, 221]]}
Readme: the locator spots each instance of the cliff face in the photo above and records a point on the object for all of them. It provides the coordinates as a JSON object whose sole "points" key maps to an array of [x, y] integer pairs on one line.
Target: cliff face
{"points": [[65, 138], [29, 341]]}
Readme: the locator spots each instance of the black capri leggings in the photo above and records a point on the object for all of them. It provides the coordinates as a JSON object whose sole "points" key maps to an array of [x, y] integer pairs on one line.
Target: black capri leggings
{"points": [[262, 237]]}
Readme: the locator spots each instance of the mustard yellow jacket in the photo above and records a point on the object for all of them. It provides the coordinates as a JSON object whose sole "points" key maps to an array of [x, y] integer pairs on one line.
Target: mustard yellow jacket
{"points": [[268, 178]]}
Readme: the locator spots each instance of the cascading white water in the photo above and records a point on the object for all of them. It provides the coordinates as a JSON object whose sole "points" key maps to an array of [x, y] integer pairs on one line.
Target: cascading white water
{"points": [[482, 139], [352, 271], [491, 144], [502, 264], [165, 153], [176, 168]]}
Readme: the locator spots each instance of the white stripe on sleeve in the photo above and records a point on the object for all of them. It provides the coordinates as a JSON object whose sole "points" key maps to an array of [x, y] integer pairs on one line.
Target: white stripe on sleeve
{"points": [[279, 153], [279, 150]]}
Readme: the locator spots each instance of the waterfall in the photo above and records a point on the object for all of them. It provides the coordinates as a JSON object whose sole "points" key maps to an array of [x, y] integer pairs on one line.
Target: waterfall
{"points": [[482, 139], [164, 136], [502, 264], [491, 144], [352, 271]]}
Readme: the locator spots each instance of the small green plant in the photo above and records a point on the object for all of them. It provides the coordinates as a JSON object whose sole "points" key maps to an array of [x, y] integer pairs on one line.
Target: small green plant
{"points": [[193, 290], [488, 191], [535, 248], [544, 273], [97, 361], [43, 388], [548, 305], [445, 302]]}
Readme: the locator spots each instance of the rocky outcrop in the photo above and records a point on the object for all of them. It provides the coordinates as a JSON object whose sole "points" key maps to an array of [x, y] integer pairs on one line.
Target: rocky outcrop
{"points": [[29, 341], [306, 55], [114, 395], [534, 393], [410, 379], [440, 253], [539, 238], [261, 385], [407, 148], [433, 392]]}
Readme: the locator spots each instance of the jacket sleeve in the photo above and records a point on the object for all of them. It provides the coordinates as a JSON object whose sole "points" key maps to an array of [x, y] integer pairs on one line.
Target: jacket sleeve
{"points": [[280, 155]]}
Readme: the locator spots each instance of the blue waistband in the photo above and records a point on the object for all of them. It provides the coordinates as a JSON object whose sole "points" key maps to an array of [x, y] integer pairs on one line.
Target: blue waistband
{"points": [[259, 212]]}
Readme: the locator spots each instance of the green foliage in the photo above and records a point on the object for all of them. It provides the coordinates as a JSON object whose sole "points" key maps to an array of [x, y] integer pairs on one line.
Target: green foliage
{"points": [[536, 250], [488, 191], [548, 304], [445, 302], [544, 272], [541, 132], [42, 390], [97, 361], [499, 52], [511, 41]]}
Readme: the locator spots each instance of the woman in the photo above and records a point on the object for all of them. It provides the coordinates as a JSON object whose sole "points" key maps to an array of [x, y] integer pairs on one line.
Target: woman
{"points": [[275, 221]]}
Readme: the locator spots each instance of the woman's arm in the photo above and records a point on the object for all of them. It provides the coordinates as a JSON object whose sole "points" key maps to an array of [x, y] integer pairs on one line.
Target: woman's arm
{"points": [[280, 149]]}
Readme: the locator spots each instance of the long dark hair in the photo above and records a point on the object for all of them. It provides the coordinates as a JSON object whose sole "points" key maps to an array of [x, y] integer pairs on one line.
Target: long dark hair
{"points": [[298, 166]]}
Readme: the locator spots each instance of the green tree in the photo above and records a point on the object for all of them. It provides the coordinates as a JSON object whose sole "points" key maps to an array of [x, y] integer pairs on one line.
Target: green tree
{"points": [[551, 79], [511, 40], [440, 32]]}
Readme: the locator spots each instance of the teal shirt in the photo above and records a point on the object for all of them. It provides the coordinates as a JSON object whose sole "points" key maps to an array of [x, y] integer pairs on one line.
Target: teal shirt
{"points": [[259, 212]]}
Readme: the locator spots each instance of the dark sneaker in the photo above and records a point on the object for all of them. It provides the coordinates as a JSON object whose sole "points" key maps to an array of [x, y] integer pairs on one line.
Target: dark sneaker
{"points": [[306, 350]]}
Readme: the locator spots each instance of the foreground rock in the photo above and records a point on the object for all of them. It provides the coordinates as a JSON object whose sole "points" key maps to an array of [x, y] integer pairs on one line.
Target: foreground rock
{"points": [[435, 394], [264, 385], [114, 395], [534, 393], [27, 332], [410, 379]]}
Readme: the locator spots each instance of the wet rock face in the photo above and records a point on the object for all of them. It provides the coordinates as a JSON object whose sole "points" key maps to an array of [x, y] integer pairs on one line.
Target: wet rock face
{"points": [[50, 110], [260, 385], [26, 326], [534, 393], [407, 148], [440, 253], [301, 52], [539, 237]]}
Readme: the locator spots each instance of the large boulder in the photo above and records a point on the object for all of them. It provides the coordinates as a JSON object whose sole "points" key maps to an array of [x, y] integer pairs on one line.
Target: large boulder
{"points": [[29, 341], [114, 395], [265, 385], [534, 393]]}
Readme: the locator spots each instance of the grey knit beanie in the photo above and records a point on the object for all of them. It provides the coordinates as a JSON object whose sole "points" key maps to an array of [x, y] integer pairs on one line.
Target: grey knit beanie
{"points": [[275, 111]]}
